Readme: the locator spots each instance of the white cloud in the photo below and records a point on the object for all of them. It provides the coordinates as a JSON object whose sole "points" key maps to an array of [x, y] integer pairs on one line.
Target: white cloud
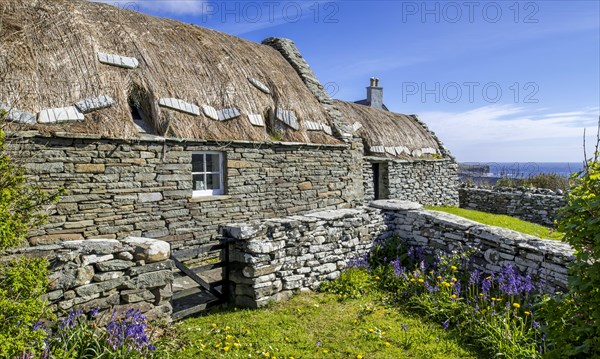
{"points": [[512, 133]]}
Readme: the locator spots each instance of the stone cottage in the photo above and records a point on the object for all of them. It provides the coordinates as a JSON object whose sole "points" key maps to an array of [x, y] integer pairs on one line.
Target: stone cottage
{"points": [[167, 130]]}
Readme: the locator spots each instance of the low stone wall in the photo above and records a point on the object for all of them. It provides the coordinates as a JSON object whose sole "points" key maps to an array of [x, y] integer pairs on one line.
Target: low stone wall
{"points": [[273, 258], [107, 274], [533, 205]]}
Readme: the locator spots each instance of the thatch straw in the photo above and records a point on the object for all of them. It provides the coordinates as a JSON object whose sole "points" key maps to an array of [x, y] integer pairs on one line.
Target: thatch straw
{"points": [[48, 58], [384, 128]]}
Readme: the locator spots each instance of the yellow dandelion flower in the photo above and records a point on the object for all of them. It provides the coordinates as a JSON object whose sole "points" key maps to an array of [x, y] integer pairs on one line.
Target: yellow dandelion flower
{"points": [[218, 345], [412, 279], [226, 349], [227, 327], [517, 305], [454, 279], [214, 325], [237, 345], [227, 337], [376, 277], [439, 277], [453, 268], [266, 354], [325, 351], [371, 330], [359, 356], [493, 299], [453, 296], [421, 280], [387, 344], [527, 313], [481, 294]]}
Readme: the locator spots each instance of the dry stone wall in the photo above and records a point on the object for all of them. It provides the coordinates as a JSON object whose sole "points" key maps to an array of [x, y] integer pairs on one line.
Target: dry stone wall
{"points": [[271, 259], [530, 204], [429, 182], [118, 188], [107, 274]]}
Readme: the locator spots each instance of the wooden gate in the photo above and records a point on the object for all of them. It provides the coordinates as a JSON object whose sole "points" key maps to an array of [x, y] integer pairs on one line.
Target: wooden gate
{"points": [[206, 285]]}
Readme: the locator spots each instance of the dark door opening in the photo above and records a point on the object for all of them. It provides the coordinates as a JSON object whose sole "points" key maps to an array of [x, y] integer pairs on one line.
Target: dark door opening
{"points": [[376, 175]]}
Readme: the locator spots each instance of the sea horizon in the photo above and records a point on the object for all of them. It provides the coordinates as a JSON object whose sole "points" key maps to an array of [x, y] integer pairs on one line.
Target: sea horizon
{"points": [[526, 169]]}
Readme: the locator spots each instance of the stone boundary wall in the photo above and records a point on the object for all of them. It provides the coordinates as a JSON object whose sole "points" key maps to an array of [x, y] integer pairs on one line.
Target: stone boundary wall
{"points": [[533, 205], [271, 259], [426, 181], [107, 274], [120, 188]]}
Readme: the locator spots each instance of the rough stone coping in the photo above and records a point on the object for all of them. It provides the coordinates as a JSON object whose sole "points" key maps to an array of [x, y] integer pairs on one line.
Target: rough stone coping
{"points": [[154, 138], [118, 60], [356, 126], [149, 250], [395, 205], [452, 219], [239, 230], [334, 214], [97, 246]]}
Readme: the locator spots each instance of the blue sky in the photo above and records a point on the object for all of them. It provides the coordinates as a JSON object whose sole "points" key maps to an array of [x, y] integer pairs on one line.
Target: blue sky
{"points": [[497, 81]]}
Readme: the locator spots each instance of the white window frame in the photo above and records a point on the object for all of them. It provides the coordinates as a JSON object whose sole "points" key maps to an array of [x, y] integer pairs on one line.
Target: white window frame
{"points": [[209, 192]]}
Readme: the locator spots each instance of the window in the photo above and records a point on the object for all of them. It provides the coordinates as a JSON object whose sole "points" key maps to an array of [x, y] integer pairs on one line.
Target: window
{"points": [[207, 173]]}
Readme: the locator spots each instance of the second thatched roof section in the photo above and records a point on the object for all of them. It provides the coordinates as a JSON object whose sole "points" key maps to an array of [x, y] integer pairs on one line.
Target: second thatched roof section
{"points": [[391, 134], [54, 54]]}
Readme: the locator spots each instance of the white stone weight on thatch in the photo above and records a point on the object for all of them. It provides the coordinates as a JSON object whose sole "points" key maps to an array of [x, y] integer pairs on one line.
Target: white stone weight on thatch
{"points": [[402, 149], [63, 114], [256, 120], [117, 60], [22, 117], [180, 105], [210, 112], [417, 153], [94, 104], [428, 151], [312, 126], [377, 149], [228, 114], [287, 117], [356, 126], [391, 150], [259, 85], [327, 129]]}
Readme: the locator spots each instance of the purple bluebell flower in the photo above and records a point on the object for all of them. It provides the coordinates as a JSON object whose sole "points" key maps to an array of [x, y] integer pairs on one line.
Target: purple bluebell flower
{"points": [[474, 277], [446, 323], [361, 261]]}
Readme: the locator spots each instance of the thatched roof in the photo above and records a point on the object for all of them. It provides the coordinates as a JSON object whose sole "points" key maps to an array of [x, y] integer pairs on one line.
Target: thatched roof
{"points": [[49, 58], [387, 133]]}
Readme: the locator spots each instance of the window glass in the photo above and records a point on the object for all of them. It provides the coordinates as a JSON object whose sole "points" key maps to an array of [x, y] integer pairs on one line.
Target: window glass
{"points": [[207, 174], [198, 162], [212, 163]]}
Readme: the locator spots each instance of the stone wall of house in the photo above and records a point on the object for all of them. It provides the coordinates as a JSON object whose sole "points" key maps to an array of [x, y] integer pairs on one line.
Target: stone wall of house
{"points": [[118, 188], [429, 182], [107, 274], [530, 204], [271, 259]]}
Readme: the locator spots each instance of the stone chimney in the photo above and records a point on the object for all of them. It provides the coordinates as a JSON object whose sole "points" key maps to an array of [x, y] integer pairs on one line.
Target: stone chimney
{"points": [[375, 94]]}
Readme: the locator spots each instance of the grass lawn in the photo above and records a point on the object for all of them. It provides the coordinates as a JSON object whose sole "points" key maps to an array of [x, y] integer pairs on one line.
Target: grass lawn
{"points": [[316, 325], [500, 220]]}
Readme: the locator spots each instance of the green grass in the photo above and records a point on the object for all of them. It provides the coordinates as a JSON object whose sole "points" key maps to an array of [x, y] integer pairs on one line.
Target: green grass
{"points": [[503, 221], [316, 325]]}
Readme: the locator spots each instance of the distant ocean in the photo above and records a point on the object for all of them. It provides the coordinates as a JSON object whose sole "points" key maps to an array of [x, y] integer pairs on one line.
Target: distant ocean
{"points": [[526, 169]]}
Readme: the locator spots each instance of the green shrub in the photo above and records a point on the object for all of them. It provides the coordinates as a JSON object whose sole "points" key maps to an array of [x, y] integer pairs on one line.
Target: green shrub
{"points": [[22, 281], [574, 322]]}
